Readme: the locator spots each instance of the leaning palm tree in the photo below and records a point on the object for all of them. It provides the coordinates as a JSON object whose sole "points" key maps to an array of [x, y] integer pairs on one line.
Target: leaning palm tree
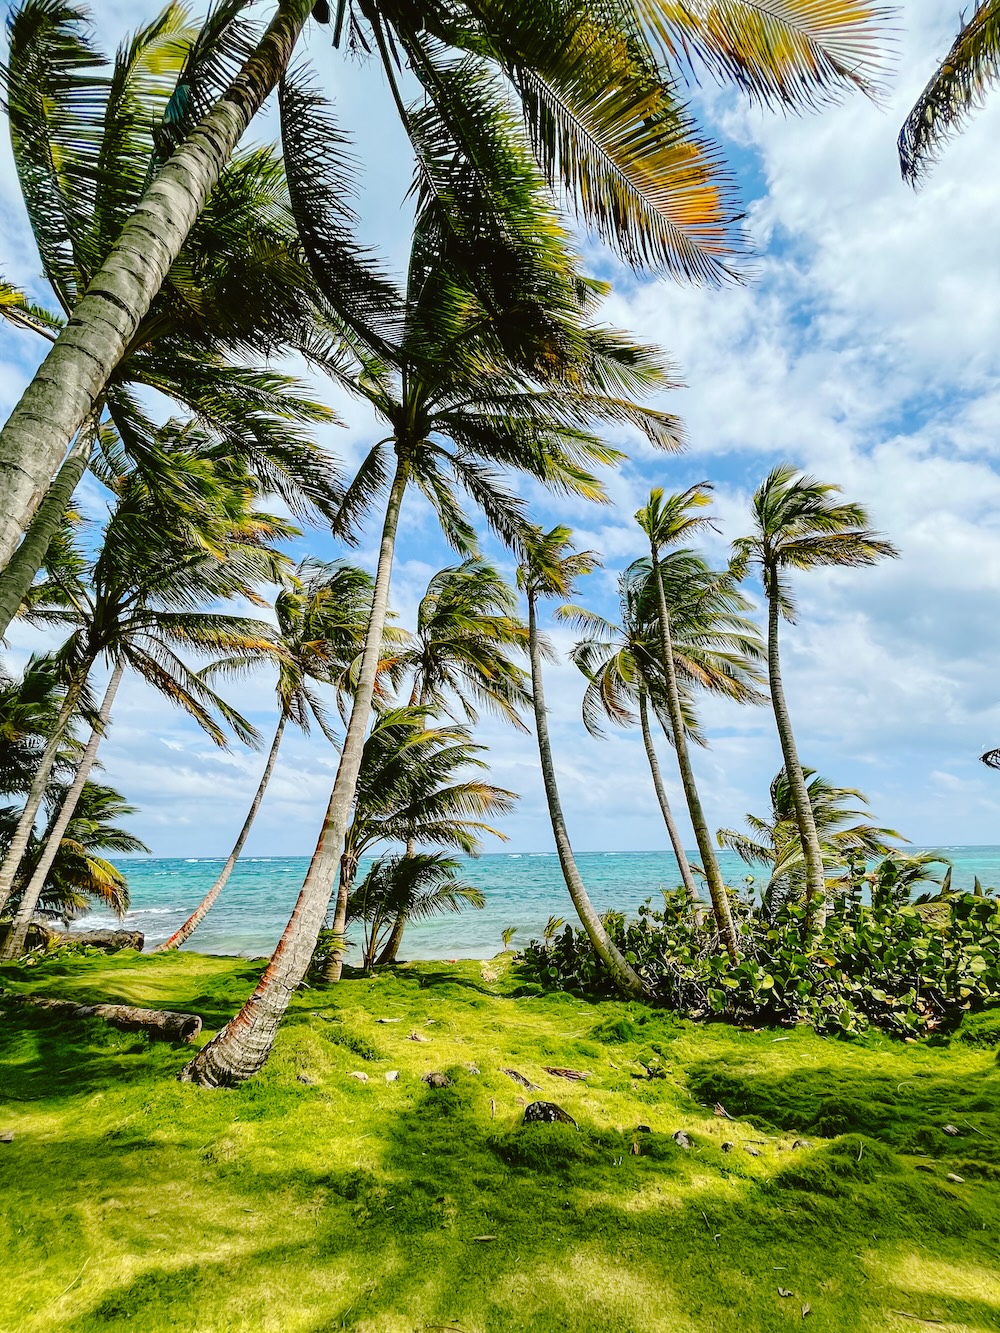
{"points": [[136, 603], [551, 568], [321, 612], [460, 415], [667, 520], [414, 787], [598, 87], [412, 887], [800, 524], [842, 824], [715, 648], [956, 89], [241, 288]]}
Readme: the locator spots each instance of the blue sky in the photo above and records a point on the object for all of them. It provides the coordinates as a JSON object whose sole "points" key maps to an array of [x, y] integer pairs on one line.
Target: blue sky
{"points": [[866, 349]]}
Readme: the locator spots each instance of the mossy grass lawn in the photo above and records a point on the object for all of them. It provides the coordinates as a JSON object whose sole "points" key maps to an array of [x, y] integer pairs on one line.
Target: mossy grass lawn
{"points": [[312, 1200]]}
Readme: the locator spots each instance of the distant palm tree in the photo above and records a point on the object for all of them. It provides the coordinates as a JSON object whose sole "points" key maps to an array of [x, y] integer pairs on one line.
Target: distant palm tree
{"points": [[841, 823], [413, 887], [413, 787], [800, 524], [551, 568], [957, 88], [321, 612], [667, 520]]}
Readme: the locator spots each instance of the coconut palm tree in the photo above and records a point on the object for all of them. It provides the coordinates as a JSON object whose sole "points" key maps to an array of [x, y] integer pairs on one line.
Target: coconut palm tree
{"points": [[140, 599], [715, 647], [841, 819], [800, 524], [413, 888], [412, 789], [630, 159], [78, 875], [957, 88], [551, 568], [241, 287], [667, 520], [457, 411], [321, 613]]}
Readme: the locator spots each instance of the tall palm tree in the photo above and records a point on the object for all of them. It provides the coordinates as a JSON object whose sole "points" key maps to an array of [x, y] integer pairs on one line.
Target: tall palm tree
{"points": [[800, 524], [667, 520], [841, 822], [715, 647], [141, 598], [457, 411], [413, 788], [240, 288], [321, 613], [550, 569], [631, 160], [956, 89]]}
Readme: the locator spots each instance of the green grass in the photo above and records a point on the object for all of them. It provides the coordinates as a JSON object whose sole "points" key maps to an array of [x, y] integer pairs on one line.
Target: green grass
{"points": [[129, 1201]]}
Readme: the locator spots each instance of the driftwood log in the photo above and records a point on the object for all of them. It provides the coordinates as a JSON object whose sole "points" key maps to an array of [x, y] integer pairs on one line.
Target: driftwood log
{"points": [[161, 1024]]}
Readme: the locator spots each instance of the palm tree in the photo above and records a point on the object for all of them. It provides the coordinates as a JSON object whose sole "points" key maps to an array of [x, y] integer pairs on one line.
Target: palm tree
{"points": [[840, 816], [141, 598], [321, 612], [715, 647], [412, 888], [241, 286], [632, 160], [78, 874], [457, 411], [411, 789], [956, 89], [799, 524], [550, 569], [667, 520]]}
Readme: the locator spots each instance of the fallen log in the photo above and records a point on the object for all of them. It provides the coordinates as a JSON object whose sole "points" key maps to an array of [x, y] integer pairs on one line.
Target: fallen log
{"points": [[161, 1024]]}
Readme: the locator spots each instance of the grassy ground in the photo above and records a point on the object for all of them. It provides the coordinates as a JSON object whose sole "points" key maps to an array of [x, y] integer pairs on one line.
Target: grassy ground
{"points": [[310, 1201]]}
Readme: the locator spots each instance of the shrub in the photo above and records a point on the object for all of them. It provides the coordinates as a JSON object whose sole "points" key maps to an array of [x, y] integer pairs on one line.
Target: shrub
{"points": [[886, 966]]}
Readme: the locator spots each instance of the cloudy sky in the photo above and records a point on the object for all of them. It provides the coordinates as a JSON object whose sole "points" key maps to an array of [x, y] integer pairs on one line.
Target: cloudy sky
{"points": [[865, 349]]}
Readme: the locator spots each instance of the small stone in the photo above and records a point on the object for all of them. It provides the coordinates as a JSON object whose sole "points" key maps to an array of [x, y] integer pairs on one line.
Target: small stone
{"points": [[361, 1077], [806, 1309], [547, 1113], [682, 1140], [304, 1078], [436, 1080], [754, 1152], [728, 1147], [7, 1136], [951, 1129], [801, 1143], [643, 1129], [417, 1036], [955, 1180], [473, 1069], [392, 1076]]}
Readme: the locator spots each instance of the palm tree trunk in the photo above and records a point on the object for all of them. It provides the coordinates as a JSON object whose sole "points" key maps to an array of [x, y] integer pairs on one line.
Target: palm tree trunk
{"points": [[811, 851], [14, 943], [27, 560], [73, 375], [36, 792], [716, 888], [244, 1044], [333, 968], [621, 973], [661, 796], [184, 933], [391, 946]]}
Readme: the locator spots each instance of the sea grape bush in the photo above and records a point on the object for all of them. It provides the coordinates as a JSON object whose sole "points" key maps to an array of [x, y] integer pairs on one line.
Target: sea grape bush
{"points": [[885, 966]]}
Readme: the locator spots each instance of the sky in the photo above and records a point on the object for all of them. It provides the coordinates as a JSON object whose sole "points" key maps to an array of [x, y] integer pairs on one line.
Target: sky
{"points": [[865, 349]]}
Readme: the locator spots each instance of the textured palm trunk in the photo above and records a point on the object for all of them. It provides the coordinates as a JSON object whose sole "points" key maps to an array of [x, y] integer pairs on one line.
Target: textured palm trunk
{"points": [[27, 560], [661, 796], [392, 944], [243, 1045], [811, 851], [36, 792], [621, 973], [184, 933], [14, 944], [333, 968], [74, 374], [716, 887]]}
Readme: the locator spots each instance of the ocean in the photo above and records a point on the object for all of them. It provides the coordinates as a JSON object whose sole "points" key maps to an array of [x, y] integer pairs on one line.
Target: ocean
{"points": [[522, 890]]}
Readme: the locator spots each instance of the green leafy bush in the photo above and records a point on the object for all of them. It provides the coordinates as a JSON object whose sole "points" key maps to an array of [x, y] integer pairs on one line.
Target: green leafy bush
{"points": [[887, 966]]}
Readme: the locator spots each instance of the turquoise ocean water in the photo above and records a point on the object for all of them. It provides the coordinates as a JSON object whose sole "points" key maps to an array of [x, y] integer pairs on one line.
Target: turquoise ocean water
{"points": [[522, 890]]}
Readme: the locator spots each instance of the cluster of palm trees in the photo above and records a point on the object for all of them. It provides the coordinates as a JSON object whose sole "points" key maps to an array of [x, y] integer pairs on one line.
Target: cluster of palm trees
{"points": [[184, 268]]}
